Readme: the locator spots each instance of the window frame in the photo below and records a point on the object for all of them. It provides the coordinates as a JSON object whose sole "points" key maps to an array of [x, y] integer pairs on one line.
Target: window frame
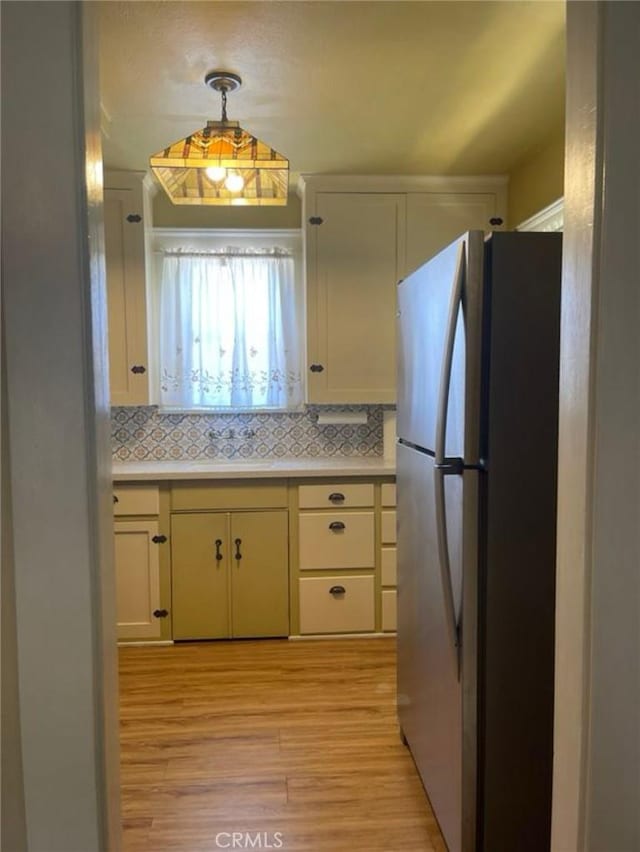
{"points": [[161, 240]]}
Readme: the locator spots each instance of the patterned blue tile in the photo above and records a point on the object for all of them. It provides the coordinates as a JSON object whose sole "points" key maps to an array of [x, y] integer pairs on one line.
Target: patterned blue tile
{"points": [[144, 433]]}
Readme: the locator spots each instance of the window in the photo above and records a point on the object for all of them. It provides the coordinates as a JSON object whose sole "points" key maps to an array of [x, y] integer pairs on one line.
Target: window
{"points": [[229, 329]]}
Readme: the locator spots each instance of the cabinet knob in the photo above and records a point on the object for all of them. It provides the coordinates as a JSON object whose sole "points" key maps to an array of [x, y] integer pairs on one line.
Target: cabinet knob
{"points": [[336, 526], [336, 497], [337, 590], [138, 368], [316, 368]]}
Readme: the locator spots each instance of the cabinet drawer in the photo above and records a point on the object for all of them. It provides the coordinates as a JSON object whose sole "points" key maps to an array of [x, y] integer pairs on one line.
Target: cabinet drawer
{"points": [[389, 567], [334, 495], [240, 495], [389, 609], [322, 611], [136, 500], [389, 527], [388, 494], [336, 540]]}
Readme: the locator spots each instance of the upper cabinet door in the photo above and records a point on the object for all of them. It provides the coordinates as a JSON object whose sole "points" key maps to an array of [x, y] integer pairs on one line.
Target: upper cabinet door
{"points": [[126, 300], [355, 254], [435, 219]]}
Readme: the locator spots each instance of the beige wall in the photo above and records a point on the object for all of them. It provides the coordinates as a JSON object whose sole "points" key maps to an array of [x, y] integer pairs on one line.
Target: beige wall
{"points": [[13, 830], [54, 308], [537, 181], [597, 726], [168, 215]]}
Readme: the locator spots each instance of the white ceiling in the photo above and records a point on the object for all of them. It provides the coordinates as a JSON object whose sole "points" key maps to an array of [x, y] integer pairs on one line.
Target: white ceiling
{"points": [[339, 87]]}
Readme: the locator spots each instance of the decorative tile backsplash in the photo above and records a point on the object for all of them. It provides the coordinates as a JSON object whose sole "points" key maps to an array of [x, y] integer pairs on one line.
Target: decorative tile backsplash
{"points": [[144, 433]]}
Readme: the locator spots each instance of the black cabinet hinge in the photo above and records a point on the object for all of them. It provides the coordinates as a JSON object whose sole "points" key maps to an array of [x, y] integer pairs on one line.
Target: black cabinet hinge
{"points": [[495, 220], [316, 368], [138, 369], [316, 220], [159, 539], [134, 217], [160, 613]]}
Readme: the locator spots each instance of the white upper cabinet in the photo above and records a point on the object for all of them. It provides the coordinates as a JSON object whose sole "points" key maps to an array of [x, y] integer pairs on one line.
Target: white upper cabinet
{"points": [[362, 235], [355, 257], [126, 294], [435, 219]]}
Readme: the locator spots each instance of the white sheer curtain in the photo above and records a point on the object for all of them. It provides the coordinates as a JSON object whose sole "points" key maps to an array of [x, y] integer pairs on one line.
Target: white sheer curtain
{"points": [[229, 331]]}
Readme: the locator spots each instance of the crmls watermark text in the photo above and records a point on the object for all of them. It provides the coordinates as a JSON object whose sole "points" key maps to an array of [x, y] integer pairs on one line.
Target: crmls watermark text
{"points": [[249, 840]]}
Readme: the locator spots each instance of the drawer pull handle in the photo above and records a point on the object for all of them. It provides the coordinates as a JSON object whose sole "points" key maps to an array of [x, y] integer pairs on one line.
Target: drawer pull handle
{"points": [[218, 546], [337, 590], [238, 542], [336, 526], [116, 499], [336, 497]]}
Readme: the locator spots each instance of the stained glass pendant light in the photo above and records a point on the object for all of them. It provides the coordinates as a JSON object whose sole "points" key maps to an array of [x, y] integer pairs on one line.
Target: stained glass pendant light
{"points": [[222, 163]]}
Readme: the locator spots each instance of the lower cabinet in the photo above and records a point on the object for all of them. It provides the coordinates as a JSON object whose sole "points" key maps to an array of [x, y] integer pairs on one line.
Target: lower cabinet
{"points": [[337, 604], [141, 562], [230, 575], [388, 573], [336, 543], [137, 567]]}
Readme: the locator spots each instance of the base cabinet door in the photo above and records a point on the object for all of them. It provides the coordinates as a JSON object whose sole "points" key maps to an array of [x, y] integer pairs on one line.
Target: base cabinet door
{"points": [[259, 574], [230, 574], [137, 567], [200, 575]]}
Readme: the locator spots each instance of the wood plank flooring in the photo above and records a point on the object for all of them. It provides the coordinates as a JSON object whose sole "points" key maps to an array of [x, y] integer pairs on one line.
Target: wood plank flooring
{"points": [[295, 743]]}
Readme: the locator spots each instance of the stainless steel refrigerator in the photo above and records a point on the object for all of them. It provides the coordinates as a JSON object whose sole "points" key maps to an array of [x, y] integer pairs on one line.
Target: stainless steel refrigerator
{"points": [[476, 472]]}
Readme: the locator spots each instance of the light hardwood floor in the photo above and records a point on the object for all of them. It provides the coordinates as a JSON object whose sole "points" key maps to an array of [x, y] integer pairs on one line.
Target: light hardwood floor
{"points": [[298, 738]]}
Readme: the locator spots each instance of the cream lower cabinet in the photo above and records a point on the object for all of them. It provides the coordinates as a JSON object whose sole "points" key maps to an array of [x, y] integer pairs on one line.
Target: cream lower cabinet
{"points": [[141, 563], [230, 575], [137, 567], [388, 572], [336, 558]]}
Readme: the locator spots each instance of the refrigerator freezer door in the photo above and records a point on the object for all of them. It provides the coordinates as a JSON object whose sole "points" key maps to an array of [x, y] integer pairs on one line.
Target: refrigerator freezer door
{"points": [[429, 691], [425, 301]]}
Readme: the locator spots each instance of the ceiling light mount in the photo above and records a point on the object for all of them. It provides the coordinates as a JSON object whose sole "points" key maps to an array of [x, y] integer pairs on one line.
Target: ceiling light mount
{"points": [[223, 81], [222, 164]]}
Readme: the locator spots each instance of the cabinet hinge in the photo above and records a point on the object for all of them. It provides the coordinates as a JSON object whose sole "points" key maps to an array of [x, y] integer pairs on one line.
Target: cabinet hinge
{"points": [[316, 368], [316, 220], [160, 613], [134, 217], [495, 220], [159, 539], [138, 369]]}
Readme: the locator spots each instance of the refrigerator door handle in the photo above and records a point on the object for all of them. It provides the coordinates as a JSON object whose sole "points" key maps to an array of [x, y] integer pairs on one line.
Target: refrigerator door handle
{"points": [[455, 304], [453, 626], [448, 466]]}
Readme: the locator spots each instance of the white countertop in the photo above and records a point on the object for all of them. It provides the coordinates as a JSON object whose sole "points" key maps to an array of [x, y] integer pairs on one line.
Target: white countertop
{"points": [[252, 468]]}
